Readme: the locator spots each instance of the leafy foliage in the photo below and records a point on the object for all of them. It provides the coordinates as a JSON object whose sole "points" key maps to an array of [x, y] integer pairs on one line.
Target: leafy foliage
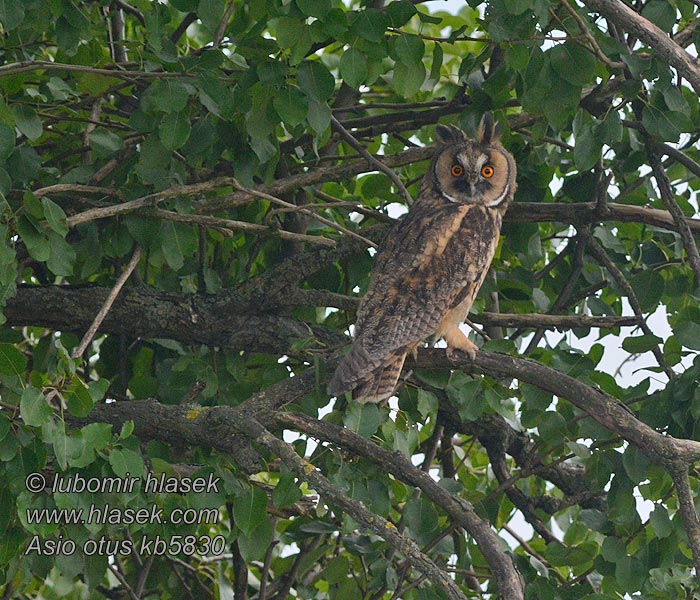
{"points": [[199, 133]]}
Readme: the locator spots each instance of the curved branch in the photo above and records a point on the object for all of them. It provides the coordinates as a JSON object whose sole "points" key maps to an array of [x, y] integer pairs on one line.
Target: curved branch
{"points": [[667, 197], [664, 47], [603, 408], [460, 511], [382, 527]]}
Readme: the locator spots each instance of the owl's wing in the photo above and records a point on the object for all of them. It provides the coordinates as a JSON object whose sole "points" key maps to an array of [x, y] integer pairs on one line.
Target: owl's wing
{"points": [[428, 264]]}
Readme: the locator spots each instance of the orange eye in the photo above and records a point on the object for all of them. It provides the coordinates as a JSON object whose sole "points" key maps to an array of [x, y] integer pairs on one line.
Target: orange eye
{"points": [[457, 170], [487, 171]]}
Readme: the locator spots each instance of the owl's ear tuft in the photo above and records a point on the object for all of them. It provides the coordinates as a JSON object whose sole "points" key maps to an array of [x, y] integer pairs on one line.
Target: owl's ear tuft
{"points": [[449, 134], [489, 131]]}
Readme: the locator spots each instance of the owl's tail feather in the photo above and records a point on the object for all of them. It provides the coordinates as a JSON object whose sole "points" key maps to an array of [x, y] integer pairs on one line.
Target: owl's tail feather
{"points": [[382, 383], [369, 382]]}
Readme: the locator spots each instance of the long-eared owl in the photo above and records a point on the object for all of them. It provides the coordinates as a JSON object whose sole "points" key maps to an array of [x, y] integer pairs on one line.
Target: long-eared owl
{"points": [[432, 263]]}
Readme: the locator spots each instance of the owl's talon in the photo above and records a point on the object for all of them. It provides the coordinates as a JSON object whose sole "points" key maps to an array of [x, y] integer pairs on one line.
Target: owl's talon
{"points": [[454, 353], [456, 340]]}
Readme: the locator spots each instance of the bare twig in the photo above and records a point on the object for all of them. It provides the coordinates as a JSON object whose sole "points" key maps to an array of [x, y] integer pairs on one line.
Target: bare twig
{"points": [[75, 188], [149, 200], [319, 218], [686, 501], [126, 7], [681, 158], [90, 333], [591, 40], [350, 139], [221, 29], [560, 322], [228, 225], [118, 574], [672, 207], [602, 257], [27, 66]]}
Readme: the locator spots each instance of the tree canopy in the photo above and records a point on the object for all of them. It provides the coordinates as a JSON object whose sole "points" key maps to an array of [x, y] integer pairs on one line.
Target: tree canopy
{"points": [[191, 193]]}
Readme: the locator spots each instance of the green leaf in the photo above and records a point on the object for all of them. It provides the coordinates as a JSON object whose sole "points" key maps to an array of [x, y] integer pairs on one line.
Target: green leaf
{"points": [[97, 435], [353, 67], [660, 13], [185, 5], [565, 56], [560, 555], [660, 522], [587, 149], [37, 244], [687, 333], [436, 63], [286, 491], [291, 105], [170, 95], [27, 121], [664, 124], [421, 518], [337, 570], [33, 408], [125, 461], [427, 404], [177, 242], [253, 546], [7, 140], [174, 130], [408, 49], [467, 394], [363, 419], [211, 12], [13, 364], [400, 12], [11, 14], [369, 24], [408, 79], [153, 160], [319, 116], [314, 8], [250, 509], [62, 256], [315, 80], [126, 430], [55, 216], [648, 286], [641, 343], [105, 143], [78, 398]]}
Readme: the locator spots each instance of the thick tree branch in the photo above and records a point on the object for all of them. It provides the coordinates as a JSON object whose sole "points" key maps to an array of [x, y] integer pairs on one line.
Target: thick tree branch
{"points": [[603, 408], [224, 428], [229, 320], [137, 312], [664, 47]]}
